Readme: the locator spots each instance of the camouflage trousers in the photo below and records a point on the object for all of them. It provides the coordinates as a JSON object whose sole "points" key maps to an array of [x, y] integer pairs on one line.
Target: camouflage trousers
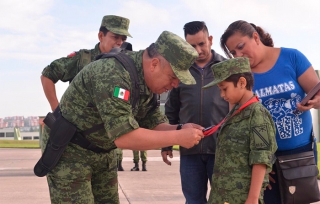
{"points": [[119, 154], [83, 177], [223, 196], [143, 156]]}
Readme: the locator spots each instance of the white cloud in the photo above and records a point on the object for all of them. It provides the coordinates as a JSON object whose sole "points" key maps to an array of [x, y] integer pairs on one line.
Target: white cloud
{"points": [[280, 15], [145, 14], [25, 16], [32, 34]]}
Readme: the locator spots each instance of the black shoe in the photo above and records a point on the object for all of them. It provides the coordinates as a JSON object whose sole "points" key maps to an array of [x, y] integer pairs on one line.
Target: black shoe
{"points": [[144, 168], [136, 167], [120, 168]]}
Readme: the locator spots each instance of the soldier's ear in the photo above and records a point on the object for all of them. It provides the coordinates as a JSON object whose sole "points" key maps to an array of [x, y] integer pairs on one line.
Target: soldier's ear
{"points": [[154, 63], [100, 35]]}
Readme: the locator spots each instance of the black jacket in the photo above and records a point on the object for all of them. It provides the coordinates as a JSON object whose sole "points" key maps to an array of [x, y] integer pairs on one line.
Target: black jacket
{"points": [[192, 104]]}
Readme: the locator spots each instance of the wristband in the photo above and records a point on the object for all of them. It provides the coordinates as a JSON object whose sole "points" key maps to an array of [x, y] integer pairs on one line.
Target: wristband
{"points": [[166, 149], [179, 127]]}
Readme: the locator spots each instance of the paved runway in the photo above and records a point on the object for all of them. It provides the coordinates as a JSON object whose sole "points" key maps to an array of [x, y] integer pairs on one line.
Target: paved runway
{"points": [[159, 185]]}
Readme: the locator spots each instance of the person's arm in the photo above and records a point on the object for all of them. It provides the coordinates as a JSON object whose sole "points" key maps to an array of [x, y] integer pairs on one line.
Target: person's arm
{"points": [[161, 136], [307, 81], [257, 176], [262, 153], [172, 109], [50, 92], [63, 69]]}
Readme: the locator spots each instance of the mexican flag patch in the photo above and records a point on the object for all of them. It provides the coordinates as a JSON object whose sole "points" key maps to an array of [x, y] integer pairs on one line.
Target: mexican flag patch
{"points": [[121, 93]]}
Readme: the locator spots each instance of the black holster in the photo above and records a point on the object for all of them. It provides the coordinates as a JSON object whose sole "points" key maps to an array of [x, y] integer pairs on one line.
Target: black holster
{"points": [[61, 134]]}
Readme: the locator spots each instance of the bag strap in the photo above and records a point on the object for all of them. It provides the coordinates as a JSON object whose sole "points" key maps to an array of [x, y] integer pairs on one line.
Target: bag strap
{"points": [[85, 58], [128, 64], [312, 139]]}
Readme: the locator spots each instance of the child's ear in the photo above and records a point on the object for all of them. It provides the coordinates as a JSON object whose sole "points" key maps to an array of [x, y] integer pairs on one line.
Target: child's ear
{"points": [[242, 82]]}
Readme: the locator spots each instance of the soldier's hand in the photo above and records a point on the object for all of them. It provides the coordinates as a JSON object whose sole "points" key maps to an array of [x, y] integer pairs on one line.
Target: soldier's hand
{"points": [[192, 125], [165, 155], [189, 137]]}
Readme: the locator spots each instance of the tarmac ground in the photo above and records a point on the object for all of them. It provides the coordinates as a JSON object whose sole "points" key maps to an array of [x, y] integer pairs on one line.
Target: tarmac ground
{"points": [[159, 185]]}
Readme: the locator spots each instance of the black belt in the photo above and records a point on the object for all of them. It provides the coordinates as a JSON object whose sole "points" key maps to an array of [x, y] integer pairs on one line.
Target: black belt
{"points": [[79, 138], [83, 142]]}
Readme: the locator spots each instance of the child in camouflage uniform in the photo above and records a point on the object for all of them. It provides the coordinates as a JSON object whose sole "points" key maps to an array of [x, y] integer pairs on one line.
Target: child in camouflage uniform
{"points": [[246, 141]]}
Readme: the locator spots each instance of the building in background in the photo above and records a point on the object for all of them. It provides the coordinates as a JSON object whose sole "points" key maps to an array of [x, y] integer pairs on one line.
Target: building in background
{"points": [[19, 128]]}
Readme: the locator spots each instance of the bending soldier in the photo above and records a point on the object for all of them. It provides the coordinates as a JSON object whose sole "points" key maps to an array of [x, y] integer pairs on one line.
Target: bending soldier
{"points": [[102, 95]]}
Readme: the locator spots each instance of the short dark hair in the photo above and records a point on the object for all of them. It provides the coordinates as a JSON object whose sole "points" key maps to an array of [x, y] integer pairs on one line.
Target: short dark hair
{"points": [[247, 75], [152, 52], [104, 30], [194, 27], [246, 29]]}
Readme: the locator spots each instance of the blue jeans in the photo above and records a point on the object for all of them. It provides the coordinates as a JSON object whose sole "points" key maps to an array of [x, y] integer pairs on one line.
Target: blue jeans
{"points": [[273, 196], [195, 172]]}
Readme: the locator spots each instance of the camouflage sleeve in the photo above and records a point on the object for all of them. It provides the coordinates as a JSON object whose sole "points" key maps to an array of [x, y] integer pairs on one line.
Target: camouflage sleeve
{"points": [[105, 78], [64, 69], [263, 137], [153, 119]]}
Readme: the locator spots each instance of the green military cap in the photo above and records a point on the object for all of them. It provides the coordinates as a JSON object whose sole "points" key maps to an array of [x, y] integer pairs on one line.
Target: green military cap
{"points": [[224, 69], [116, 24], [180, 54]]}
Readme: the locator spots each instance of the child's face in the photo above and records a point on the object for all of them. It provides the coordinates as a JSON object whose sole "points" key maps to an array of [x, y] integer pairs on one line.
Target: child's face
{"points": [[230, 93]]}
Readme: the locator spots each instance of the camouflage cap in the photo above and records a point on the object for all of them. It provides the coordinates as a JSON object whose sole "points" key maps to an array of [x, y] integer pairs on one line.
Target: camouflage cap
{"points": [[223, 70], [180, 54], [116, 24]]}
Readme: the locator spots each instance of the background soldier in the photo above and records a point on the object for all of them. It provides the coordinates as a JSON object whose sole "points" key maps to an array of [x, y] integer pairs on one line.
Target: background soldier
{"points": [[143, 156], [112, 33], [119, 159]]}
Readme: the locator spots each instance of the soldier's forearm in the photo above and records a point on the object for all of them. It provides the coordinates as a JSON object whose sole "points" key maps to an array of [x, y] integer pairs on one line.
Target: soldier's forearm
{"points": [[50, 91]]}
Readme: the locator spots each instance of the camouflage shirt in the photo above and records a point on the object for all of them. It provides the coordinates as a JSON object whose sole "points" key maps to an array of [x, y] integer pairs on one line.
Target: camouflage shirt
{"points": [[90, 100], [66, 68], [245, 139]]}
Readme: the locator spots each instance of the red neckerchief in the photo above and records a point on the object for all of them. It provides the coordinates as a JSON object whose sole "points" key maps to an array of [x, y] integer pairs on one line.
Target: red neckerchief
{"points": [[210, 130]]}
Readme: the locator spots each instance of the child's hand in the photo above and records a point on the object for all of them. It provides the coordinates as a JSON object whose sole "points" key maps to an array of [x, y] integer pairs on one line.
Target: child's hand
{"points": [[271, 179]]}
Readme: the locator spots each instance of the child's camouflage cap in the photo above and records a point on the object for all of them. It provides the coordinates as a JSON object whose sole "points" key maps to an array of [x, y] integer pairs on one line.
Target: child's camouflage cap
{"points": [[116, 24], [222, 70], [180, 54]]}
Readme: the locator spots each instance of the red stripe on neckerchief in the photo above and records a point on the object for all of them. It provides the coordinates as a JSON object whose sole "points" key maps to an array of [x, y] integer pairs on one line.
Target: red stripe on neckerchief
{"points": [[212, 129]]}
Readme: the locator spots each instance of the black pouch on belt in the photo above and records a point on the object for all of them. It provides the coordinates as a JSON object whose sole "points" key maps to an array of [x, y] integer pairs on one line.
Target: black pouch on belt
{"points": [[61, 133]]}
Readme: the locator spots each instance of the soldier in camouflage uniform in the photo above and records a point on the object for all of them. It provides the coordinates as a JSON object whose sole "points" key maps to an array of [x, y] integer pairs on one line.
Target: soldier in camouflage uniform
{"points": [[112, 33], [84, 177], [119, 158], [143, 156], [246, 141]]}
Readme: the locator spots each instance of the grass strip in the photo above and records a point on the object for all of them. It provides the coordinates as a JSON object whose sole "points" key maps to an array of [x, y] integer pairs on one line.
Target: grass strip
{"points": [[19, 144]]}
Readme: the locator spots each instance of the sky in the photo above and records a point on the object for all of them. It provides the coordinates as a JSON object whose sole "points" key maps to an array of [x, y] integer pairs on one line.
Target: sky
{"points": [[33, 33]]}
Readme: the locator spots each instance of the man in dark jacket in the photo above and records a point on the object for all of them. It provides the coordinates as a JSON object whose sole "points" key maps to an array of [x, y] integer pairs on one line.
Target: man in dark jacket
{"points": [[190, 103]]}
